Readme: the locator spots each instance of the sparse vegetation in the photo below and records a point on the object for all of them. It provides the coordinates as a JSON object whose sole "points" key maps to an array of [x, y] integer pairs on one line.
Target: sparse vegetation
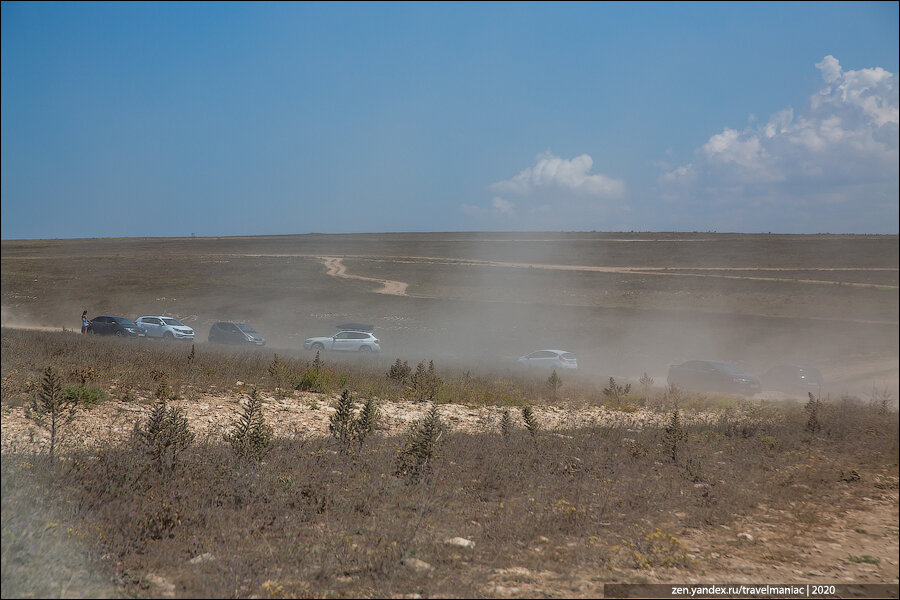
{"points": [[813, 407], [424, 384], [367, 421], [52, 409], [506, 424], [646, 383], [250, 436], [531, 424], [615, 391], [674, 434], [280, 372], [554, 382], [400, 372], [340, 424], [165, 434], [415, 458]]}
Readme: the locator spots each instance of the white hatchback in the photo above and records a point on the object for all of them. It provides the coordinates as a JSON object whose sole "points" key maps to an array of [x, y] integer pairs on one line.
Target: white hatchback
{"points": [[556, 359], [166, 328]]}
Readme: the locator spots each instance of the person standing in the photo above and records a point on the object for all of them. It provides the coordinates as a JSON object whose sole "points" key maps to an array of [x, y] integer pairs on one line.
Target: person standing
{"points": [[85, 324]]}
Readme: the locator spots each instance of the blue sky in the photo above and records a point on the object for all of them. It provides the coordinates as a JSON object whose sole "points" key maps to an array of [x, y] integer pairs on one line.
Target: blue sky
{"points": [[244, 119]]}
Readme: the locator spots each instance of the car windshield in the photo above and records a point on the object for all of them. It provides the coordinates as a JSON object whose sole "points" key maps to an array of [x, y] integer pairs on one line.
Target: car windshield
{"points": [[246, 328], [170, 321], [124, 321]]}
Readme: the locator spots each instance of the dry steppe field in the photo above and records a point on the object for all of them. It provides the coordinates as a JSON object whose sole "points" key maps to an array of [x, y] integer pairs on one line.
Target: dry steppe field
{"points": [[476, 478], [625, 303]]}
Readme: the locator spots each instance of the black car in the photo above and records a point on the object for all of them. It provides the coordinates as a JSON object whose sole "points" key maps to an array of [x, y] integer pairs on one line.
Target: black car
{"points": [[117, 326], [231, 332], [713, 376], [793, 379]]}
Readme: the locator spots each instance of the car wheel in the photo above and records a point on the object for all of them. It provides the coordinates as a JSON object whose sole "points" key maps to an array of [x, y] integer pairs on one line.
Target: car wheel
{"points": [[168, 336], [364, 349], [120, 333], [318, 347]]}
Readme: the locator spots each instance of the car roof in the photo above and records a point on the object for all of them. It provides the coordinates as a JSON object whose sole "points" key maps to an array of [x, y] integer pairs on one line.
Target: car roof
{"points": [[358, 327], [159, 317], [552, 350]]}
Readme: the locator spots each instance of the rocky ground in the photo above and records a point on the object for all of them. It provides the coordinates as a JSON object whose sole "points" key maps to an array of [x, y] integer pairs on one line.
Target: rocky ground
{"points": [[299, 413]]}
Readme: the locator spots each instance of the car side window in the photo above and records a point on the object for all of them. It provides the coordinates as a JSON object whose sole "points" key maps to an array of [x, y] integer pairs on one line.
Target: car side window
{"points": [[342, 336], [541, 354]]}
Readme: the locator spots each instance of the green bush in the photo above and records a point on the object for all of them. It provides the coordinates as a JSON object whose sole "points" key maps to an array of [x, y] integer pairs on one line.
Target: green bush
{"points": [[85, 395]]}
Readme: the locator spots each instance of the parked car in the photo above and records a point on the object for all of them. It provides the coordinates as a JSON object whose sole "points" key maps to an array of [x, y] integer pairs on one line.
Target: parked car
{"points": [[231, 332], [556, 359], [793, 379], [117, 326], [713, 376], [167, 328], [346, 341]]}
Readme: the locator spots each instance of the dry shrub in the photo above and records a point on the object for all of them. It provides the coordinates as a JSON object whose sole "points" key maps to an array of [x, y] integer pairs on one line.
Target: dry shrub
{"points": [[309, 517], [250, 436]]}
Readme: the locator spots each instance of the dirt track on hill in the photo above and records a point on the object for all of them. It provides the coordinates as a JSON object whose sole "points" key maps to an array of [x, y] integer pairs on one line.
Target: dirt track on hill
{"points": [[336, 268]]}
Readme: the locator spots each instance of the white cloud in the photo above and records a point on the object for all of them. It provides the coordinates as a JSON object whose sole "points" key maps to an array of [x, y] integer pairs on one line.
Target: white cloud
{"points": [[554, 193], [553, 172], [845, 141]]}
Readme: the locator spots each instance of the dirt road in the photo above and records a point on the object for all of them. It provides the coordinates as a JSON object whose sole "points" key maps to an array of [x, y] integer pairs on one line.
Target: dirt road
{"points": [[336, 268]]}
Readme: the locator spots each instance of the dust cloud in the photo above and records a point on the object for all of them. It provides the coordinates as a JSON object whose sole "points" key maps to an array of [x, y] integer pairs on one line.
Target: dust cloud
{"points": [[625, 304]]}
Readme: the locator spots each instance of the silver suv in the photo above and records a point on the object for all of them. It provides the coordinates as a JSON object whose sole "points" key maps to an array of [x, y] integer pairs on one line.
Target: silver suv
{"points": [[346, 341], [166, 328]]}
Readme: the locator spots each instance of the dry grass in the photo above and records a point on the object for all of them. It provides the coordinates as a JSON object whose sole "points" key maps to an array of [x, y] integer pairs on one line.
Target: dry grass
{"points": [[314, 519]]}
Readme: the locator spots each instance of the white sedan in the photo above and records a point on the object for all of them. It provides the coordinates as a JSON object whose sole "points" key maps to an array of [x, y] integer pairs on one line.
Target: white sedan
{"points": [[556, 359], [346, 341]]}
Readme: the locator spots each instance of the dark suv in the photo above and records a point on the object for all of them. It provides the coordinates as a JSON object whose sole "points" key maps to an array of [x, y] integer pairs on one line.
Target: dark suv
{"points": [[231, 332], [713, 376], [117, 326]]}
